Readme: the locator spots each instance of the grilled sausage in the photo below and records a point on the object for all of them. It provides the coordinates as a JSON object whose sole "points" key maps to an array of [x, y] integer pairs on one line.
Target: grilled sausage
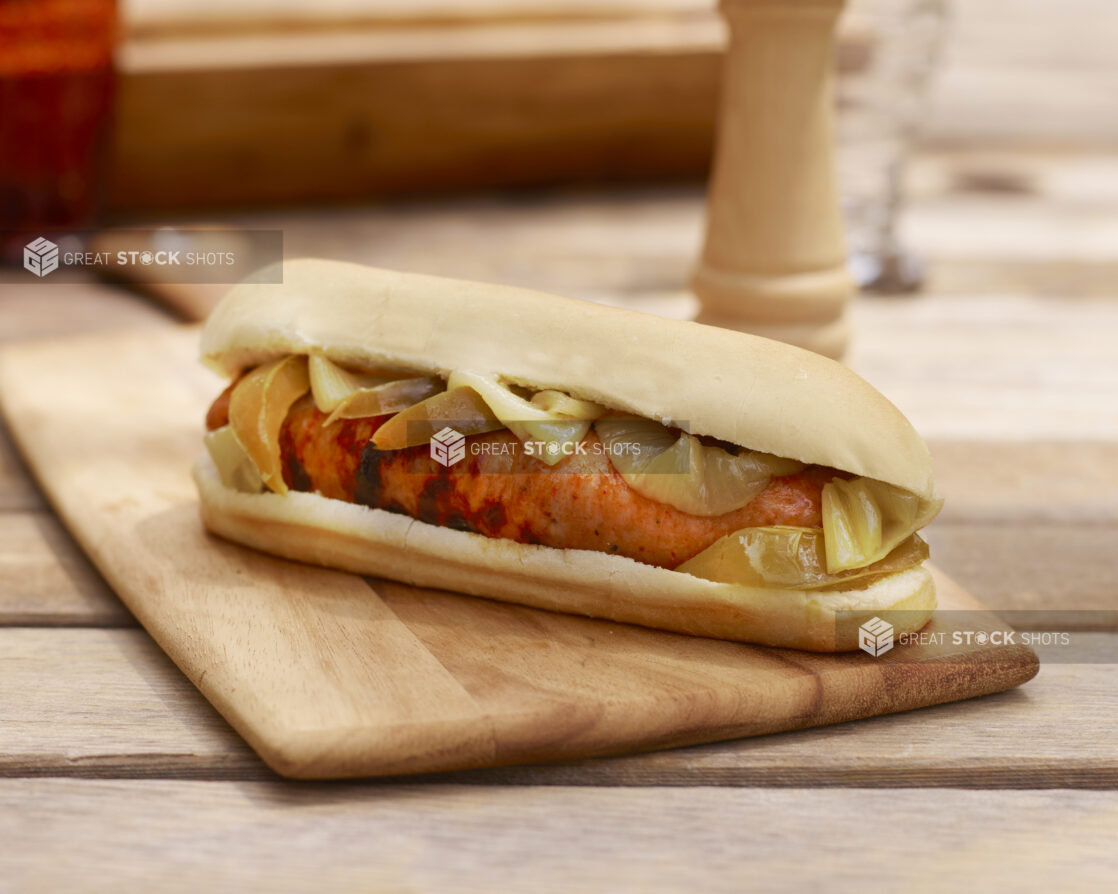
{"points": [[580, 503]]}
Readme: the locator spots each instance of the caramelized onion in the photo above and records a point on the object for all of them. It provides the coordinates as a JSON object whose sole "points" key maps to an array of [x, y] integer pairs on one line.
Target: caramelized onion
{"points": [[791, 558], [461, 408], [678, 469], [236, 468], [258, 407], [864, 520], [559, 404], [550, 429], [332, 384], [390, 397]]}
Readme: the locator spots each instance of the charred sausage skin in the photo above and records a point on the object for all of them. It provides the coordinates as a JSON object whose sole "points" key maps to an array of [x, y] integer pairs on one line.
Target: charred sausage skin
{"points": [[497, 491]]}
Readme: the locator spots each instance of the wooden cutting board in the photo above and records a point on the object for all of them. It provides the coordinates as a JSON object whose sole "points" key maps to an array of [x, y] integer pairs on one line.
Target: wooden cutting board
{"points": [[328, 675]]}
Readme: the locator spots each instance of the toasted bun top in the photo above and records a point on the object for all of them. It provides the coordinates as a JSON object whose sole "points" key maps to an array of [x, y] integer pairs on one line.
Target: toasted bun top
{"points": [[761, 394]]}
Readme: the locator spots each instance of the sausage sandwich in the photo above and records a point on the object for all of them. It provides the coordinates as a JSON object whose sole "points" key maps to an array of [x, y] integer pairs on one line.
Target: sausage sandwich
{"points": [[564, 455]]}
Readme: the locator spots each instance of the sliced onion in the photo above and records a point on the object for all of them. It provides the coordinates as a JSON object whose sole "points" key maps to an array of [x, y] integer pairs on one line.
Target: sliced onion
{"points": [[790, 558], [234, 465], [461, 408], [680, 470], [389, 397], [551, 430], [332, 384], [257, 408], [864, 520], [560, 404], [550, 441]]}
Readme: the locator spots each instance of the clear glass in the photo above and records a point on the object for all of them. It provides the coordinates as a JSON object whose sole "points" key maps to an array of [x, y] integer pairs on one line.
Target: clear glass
{"points": [[887, 51]]}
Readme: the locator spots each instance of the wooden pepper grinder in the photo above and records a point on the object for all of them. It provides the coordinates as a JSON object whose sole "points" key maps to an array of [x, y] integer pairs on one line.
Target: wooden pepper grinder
{"points": [[774, 261]]}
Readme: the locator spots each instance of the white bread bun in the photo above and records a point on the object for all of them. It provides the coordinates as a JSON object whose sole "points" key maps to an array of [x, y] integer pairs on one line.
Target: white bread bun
{"points": [[751, 391], [760, 394], [311, 528]]}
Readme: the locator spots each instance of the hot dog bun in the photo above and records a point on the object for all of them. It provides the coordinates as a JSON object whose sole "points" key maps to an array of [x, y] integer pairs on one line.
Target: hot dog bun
{"points": [[761, 394], [736, 387]]}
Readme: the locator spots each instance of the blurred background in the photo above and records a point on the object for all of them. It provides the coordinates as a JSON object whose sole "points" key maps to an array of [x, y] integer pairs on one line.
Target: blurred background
{"points": [[268, 111]]}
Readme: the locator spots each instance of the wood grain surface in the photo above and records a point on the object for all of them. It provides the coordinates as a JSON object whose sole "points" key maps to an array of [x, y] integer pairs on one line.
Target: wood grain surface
{"points": [[1013, 210], [141, 718], [326, 676], [470, 839], [37, 556]]}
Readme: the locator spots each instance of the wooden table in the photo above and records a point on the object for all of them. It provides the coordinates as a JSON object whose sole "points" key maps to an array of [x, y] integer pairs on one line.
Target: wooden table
{"points": [[115, 772]]}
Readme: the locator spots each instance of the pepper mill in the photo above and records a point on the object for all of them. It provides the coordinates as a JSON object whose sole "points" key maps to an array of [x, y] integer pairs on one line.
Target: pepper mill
{"points": [[774, 260]]}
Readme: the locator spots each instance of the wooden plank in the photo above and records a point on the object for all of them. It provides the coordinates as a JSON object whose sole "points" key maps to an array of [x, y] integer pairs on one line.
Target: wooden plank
{"points": [[45, 310], [1020, 74], [39, 310], [983, 105], [1064, 279], [1065, 571], [274, 45], [1018, 39], [180, 836], [107, 703], [1056, 733], [296, 132], [1052, 372], [353, 684], [1020, 253], [45, 579], [1038, 222], [1062, 179], [999, 481], [338, 101], [1012, 228], [17, 491], [610, 246], [184, 16]]}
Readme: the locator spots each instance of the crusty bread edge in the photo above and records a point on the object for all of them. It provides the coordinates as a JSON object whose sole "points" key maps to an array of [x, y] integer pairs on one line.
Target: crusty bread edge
{"points": [[311, 528]]}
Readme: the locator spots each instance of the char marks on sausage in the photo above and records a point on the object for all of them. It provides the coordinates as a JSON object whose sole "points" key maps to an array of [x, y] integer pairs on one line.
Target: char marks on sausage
{"points": [[498, 491]]}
